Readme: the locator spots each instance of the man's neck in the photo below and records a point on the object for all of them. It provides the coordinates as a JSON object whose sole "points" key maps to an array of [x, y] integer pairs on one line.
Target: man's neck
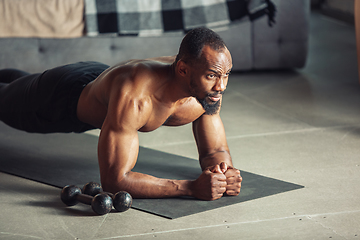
{"points": [[177, 88]]}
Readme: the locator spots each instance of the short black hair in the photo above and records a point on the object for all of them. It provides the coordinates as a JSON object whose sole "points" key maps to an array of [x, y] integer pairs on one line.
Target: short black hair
{"points": [[194, 42]]}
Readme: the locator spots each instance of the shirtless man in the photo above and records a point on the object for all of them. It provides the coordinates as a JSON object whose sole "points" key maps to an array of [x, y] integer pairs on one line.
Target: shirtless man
{"points": [[139, 95]]}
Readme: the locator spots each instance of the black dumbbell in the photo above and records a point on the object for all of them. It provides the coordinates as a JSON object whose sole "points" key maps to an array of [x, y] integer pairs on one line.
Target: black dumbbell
{"points": [[122, 200], [100, 203], [92, 189]]}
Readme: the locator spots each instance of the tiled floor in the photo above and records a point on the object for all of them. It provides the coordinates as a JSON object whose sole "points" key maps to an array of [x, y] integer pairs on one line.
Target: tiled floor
{"points": [[300, 126]]}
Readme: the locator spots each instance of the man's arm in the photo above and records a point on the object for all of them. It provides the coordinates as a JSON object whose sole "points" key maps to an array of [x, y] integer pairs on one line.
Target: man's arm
{"points": [[117, 152], [117, 156], [213, 150], [119, 145]]}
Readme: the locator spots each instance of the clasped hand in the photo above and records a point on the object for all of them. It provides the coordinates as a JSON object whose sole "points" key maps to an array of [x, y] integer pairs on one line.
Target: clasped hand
{"points": [[217, 180]]}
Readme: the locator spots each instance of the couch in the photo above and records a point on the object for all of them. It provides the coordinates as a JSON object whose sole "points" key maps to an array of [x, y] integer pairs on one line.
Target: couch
{"points": [[254, 44]]}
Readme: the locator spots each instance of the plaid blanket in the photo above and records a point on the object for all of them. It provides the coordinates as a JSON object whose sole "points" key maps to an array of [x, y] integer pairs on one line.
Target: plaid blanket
{"points": [[156, 17]]}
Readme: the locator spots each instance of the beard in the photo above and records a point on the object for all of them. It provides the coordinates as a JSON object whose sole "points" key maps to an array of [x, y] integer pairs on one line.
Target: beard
{"points": [[209, 106]]}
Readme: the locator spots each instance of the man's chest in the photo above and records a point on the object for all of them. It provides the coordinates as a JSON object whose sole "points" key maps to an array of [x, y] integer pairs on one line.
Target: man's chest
{"points": [[181, 114]]}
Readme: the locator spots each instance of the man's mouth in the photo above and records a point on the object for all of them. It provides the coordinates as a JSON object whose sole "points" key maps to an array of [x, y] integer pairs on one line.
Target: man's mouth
{"points": [[215, 97]]}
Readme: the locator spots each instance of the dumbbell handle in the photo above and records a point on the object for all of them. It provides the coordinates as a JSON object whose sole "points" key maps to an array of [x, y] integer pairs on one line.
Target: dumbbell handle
{"points": [[83, 198], [110, 194]]}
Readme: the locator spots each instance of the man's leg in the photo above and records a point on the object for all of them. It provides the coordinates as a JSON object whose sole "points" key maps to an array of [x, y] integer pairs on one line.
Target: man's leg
{"points": [[9, 75], [16, 100], [46, 103]]}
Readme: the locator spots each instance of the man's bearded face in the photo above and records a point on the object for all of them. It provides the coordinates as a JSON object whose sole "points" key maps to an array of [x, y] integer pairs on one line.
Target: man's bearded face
{"points": [[204, 98]]}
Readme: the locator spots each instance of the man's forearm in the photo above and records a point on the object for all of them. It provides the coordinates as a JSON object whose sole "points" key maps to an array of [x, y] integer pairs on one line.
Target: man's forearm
{"points": [[145, 186], [215, 158]]}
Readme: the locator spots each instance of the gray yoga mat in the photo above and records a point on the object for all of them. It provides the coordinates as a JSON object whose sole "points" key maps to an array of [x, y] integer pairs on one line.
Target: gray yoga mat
{"points": [[62, 159]]}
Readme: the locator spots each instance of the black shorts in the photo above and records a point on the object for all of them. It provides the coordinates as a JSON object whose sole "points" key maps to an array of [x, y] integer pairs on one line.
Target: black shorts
{"points": [[47, 102]]}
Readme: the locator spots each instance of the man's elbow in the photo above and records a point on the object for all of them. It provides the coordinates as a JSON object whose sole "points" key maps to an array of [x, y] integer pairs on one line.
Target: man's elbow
{"points": [[114, 184]]}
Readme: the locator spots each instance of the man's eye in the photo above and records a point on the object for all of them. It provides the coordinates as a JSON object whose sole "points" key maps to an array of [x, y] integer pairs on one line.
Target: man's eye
{"points": [[211, 76]]}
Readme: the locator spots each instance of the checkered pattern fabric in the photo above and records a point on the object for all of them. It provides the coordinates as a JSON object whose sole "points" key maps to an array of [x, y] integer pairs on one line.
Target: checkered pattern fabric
{"points": [[155, 17]]}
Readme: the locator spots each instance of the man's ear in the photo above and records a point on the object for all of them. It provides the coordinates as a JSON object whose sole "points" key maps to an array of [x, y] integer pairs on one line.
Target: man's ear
{"points": [[182, 68]]}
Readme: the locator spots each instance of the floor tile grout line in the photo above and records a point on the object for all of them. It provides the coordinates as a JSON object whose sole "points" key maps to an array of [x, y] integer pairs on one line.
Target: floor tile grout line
{"points": [[17, 234], [309, 216], [348, 132], [64, 226], [102, 222], [262, 134], [314, 129], [328, 228]]}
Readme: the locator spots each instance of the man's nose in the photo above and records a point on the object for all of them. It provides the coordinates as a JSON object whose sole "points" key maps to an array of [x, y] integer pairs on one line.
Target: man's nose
{"points": [[220, 85]]}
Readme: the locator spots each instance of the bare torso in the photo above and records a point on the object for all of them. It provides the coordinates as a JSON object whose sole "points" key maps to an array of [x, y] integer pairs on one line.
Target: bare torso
{"points": [[147, 81], [143, 95]]}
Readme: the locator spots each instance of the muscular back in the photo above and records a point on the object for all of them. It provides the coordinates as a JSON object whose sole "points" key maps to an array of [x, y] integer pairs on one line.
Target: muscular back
{"points": [[144, 90]]}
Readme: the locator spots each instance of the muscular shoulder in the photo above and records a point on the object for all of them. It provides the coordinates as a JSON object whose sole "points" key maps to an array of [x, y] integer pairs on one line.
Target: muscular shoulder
{"points": [[129, 95], [135, 75]]}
